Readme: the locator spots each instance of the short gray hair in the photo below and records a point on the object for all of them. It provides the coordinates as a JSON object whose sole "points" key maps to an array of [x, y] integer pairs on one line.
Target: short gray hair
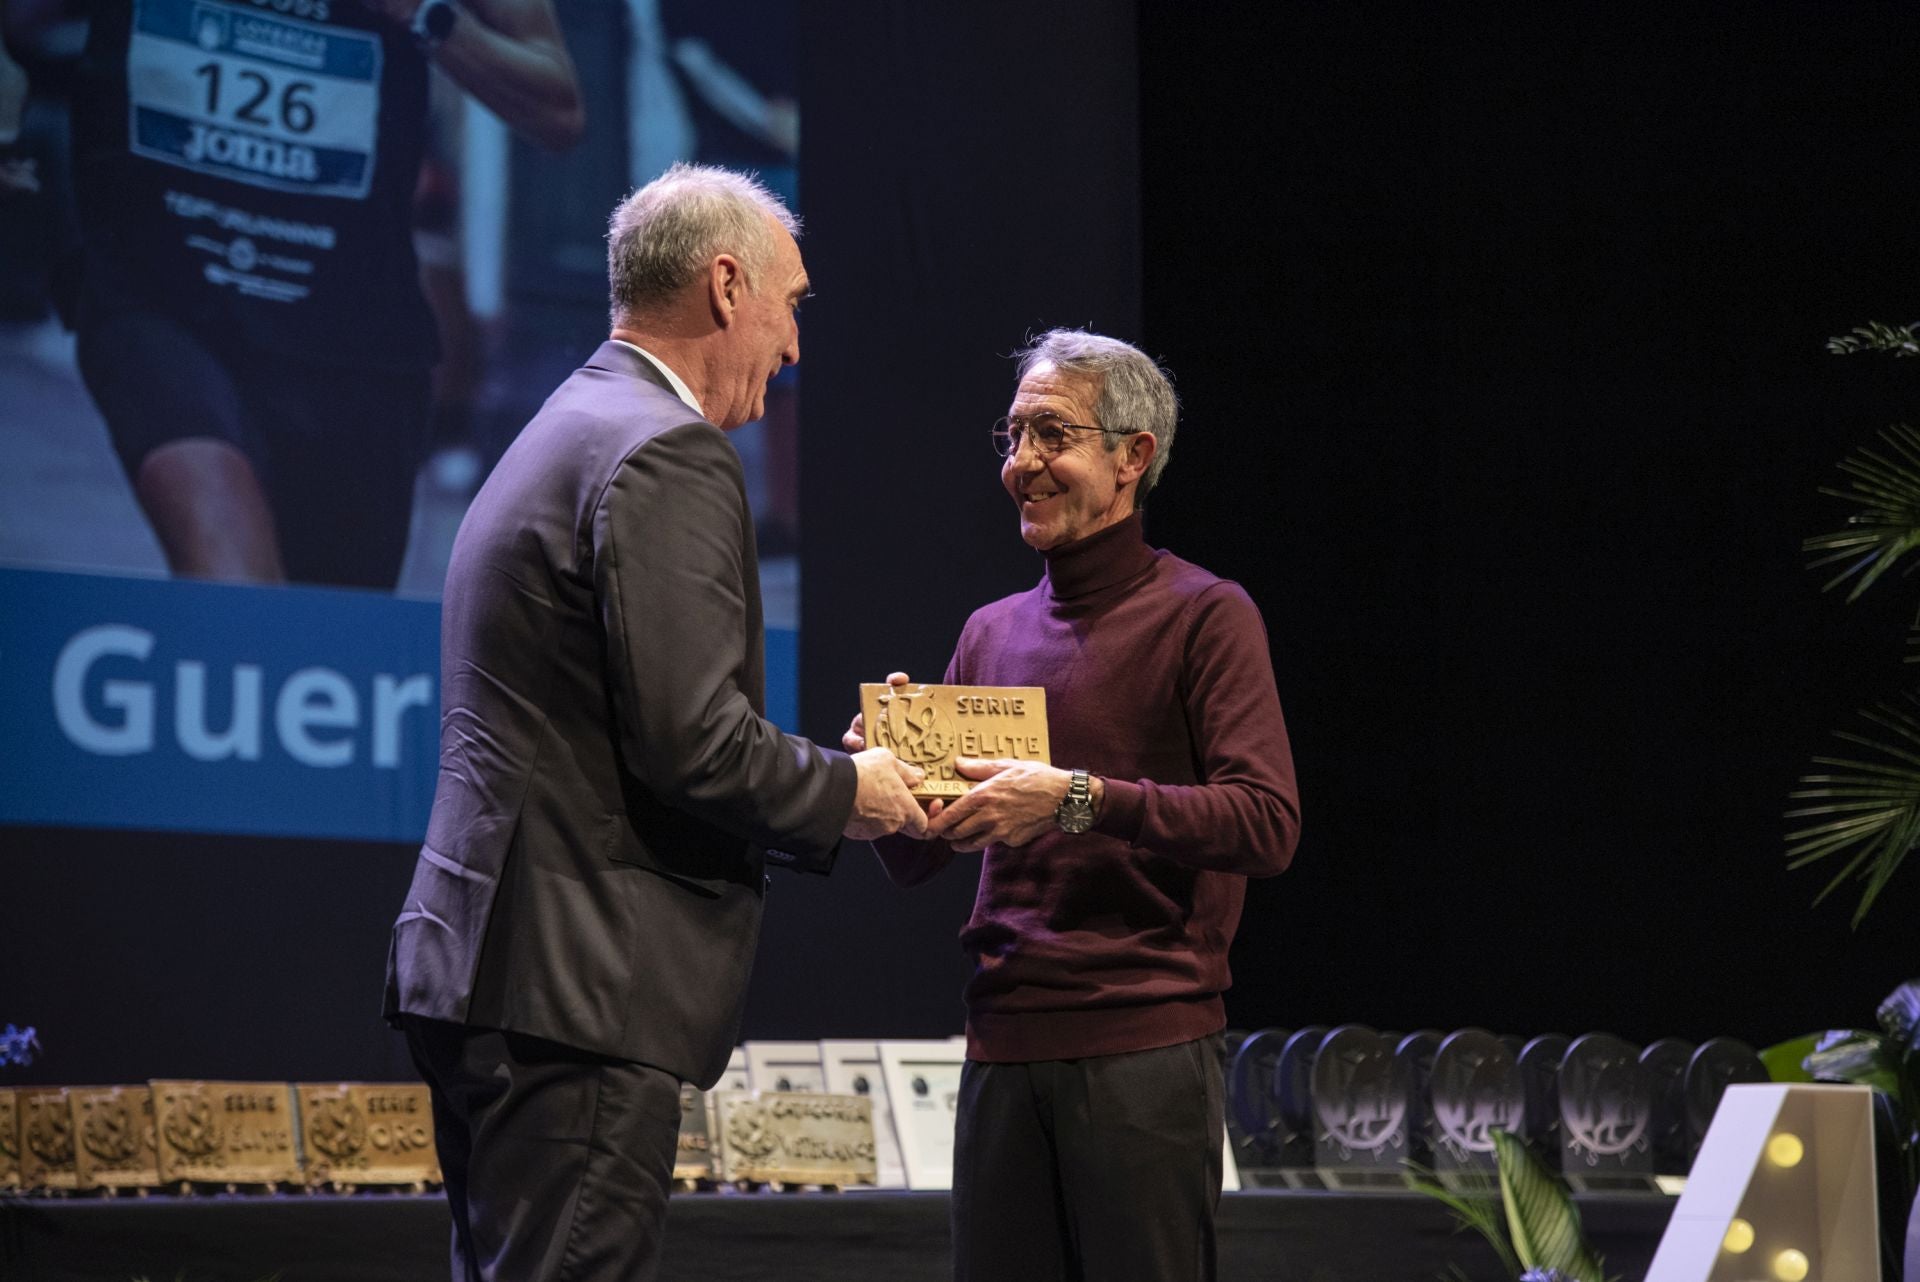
{"points": [[663, 236], [1133, 389]]}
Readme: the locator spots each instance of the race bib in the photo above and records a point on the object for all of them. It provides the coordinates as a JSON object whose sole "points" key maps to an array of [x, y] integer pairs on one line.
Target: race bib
{"points": [[229, 90]]}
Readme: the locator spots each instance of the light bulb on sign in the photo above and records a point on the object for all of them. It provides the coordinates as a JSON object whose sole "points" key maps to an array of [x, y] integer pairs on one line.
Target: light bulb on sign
{"points": [[1785, 1149], [1790, 1266], [1739, 1237]]}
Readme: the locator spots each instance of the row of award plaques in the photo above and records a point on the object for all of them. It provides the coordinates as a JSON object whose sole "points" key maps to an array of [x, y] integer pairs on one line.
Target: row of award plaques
{"points": [[1352, 1107], [785, 1113], [738, 1132], [186, 1134]]}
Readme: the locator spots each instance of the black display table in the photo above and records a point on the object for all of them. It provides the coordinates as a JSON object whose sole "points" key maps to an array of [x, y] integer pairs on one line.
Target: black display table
{"points": [[792, 1237]]}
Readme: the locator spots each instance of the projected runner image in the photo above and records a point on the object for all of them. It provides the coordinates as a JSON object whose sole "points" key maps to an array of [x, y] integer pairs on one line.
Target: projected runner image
{"points": [[249, 317], [280, 281]]}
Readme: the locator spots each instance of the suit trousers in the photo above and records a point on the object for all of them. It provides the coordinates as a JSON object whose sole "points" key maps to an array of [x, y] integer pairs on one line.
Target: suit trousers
{"points": [[1104, 1169], [557, 1161]]}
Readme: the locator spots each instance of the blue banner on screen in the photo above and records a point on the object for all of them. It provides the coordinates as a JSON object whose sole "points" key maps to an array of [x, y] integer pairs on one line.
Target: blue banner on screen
{"points": [[167, 704]]}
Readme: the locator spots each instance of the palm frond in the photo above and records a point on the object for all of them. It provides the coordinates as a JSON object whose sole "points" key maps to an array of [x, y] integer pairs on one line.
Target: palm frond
{"points": [[1541, 1217], [1868, 811], [1481, 1214], [1885, 489], [1875, 336]]}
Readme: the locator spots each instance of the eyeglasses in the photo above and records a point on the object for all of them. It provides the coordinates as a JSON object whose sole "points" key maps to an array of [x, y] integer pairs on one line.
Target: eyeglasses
{"points": [[1046, 433]]}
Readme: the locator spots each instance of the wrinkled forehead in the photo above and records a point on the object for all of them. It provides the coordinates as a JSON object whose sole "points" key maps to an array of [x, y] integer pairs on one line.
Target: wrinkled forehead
{"points": [[788, 269], [1065, 394]]}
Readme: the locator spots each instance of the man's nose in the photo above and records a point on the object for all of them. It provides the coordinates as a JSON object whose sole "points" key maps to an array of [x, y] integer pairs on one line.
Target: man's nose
{"points": [[1027, 453]]}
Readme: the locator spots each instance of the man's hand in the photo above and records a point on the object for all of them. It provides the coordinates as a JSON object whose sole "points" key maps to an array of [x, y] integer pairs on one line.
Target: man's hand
{"points": [[855, 739], [1012, 807], [882, 805]]}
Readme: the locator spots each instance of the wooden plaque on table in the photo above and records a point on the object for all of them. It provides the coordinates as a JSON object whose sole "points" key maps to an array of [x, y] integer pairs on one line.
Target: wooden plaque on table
{"points": [[931, 725], [357, 1134], [853, 1068], [113, 1137], [46, 1139], [9, 1139], [225, 1132], [693, 1155], [774, 1136]]}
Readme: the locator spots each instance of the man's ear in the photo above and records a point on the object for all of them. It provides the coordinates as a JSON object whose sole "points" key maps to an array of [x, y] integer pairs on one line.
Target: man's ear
{"points": [[726, 282], [1136, 451]]}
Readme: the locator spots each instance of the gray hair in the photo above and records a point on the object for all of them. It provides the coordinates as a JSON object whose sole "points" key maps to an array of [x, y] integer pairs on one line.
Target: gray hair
{"points": [[663, 236], [1133, 389]]}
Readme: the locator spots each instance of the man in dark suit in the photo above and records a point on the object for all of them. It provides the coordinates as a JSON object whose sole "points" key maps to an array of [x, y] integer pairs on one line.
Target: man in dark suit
{"points": [[583, 915]]}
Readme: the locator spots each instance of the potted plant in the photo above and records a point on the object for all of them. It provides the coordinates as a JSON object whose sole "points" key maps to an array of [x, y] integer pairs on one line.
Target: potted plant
{"points": [[1533, 1226]]}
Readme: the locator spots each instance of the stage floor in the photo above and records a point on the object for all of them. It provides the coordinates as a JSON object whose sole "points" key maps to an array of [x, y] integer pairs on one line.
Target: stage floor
{"points": [[794, 1237]]}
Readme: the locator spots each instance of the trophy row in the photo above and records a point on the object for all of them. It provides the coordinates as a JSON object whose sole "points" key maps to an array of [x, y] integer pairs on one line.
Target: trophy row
{"points": [[830, 1114], [187, 1134], [1346, 1107], [750, 1129], [1351, 1107]]}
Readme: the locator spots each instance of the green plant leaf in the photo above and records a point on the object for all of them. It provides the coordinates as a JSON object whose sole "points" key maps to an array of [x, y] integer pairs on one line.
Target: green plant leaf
{"points": [[1875, 336], [1868, 811], [1541, 1217], [1481, 1214], [1786, 1061], [1885, 527]]}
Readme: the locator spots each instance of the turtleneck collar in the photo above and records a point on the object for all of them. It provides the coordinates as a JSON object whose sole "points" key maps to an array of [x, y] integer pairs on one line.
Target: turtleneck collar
{"points": [[1102, 559]]}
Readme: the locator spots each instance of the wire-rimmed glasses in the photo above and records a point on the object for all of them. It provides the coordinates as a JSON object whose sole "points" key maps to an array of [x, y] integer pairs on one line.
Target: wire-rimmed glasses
{"points": [[1047, 434]]}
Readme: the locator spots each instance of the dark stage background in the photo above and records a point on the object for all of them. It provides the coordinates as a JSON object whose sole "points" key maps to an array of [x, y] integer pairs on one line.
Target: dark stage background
{"points": [[1500, 341]]}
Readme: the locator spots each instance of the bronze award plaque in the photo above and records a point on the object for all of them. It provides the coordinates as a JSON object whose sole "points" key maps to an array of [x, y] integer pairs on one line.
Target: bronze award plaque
{"points": [[9, 1139], [356, 1134], [776, 1137], [46, 1139], [928, 726], [113, 1137], [225, 1132], [693, 1158]]}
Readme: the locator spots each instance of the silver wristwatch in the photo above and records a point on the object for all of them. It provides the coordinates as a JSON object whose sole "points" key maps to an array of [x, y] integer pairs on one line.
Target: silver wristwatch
{"points": [[1075, 811]]}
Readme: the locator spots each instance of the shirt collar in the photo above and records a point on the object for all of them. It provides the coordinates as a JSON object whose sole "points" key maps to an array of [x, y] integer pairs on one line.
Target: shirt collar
{"points": [[680, 389], [1106, 557]]}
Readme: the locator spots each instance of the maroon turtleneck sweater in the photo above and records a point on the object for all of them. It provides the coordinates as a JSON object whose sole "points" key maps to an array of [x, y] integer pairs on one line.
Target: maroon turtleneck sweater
{"points": [[1158, 681]]}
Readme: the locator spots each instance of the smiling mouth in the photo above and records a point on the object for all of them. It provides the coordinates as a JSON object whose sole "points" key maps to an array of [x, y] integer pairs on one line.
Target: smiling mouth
{"points": [[1032, 499]]}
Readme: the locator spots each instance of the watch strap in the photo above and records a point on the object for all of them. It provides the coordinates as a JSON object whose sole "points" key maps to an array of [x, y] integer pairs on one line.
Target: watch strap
{"points": [[1075, 812]]}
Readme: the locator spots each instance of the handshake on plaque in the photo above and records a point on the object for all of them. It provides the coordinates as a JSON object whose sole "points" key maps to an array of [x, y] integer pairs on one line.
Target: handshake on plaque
{"points": [[920, 749]]}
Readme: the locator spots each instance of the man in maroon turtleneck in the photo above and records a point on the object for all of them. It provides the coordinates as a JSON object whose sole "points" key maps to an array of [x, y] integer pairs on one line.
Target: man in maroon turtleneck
{"points": [[1090, 1114]]}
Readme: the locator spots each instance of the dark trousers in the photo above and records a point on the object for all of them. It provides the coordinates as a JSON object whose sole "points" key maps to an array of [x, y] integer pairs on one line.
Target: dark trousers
{"points": [[557, 1162], [1089, 1170]]}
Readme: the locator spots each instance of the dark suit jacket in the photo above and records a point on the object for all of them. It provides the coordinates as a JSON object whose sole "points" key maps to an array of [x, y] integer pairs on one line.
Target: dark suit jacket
{"points": [[593, 870]]}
